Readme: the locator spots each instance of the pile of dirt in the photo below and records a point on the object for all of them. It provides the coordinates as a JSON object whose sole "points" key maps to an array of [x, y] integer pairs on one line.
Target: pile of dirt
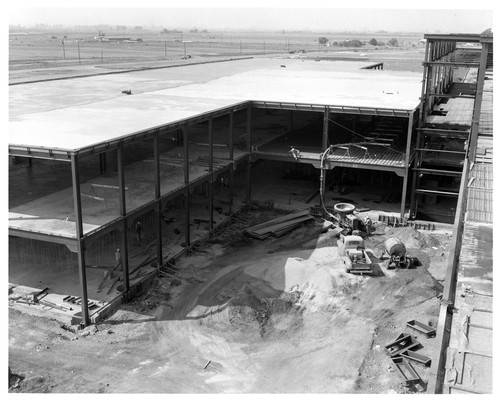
{"points": [[412, 238]]}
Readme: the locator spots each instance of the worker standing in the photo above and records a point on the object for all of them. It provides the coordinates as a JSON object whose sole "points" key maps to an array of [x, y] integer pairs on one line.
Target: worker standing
{"points": [[368, 225], [295, 153], [138, 231], [118, 257]]}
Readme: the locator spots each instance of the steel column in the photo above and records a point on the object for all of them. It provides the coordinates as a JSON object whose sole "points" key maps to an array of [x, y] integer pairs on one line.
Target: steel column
{"points": [[407, 162], [437, 370], [185, 138], [231, 186], [159, 243], [231, 157], [249, 149], [79, 234], [211, 171], [478, 102], [231, 135], [326, 117], [123, 213], [423, 101]]}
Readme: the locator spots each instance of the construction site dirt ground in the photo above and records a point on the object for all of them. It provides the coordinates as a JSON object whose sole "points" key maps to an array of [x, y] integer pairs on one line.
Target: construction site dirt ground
{"points": [[244, 315]]}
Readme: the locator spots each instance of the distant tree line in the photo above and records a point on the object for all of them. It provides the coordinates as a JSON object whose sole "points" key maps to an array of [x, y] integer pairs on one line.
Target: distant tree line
{"points": [[356, 43]]}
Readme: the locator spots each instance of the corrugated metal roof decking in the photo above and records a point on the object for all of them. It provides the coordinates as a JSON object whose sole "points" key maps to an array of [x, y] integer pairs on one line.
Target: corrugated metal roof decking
{"points": [[486, 117], [375, 155], [458, 113], [480, 194]]}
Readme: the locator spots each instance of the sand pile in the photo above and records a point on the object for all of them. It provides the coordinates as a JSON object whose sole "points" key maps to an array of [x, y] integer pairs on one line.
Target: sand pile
{"points": [[321, 287], [412, 238]]}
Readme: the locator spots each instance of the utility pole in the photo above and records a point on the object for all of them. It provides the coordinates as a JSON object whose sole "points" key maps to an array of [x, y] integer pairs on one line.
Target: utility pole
{"points": [[184, 50], [79, 60], [64, 50]]}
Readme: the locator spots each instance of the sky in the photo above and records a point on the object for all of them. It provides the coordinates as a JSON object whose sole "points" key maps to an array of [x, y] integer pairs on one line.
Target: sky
{"points": [[262, 15]]}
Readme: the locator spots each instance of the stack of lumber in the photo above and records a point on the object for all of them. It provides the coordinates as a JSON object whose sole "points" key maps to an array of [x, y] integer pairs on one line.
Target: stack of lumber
{"points": [[279, 226]]}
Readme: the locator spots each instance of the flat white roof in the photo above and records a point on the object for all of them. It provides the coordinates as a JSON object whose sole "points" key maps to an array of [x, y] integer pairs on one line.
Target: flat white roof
{"points": [[76, 113]]}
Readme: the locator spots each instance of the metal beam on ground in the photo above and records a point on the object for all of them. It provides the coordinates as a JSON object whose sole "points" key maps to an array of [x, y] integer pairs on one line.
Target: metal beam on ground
{"points": [[77, 202]]}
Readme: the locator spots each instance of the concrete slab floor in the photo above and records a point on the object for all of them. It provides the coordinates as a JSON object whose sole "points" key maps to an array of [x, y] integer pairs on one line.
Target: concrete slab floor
{"points": [[54, 213]]}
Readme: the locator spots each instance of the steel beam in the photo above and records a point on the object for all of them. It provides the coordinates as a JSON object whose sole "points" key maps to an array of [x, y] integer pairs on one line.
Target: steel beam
{"points": [[455, 37], [71, 243], [40, 153], [438, 172], [453, 64], [436, 192], [123, 214], [345, 109], [77, 202]]}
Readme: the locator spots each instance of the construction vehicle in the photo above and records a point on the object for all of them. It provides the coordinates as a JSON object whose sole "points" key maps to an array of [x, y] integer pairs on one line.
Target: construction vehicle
{"points": [[396, 251], [352, 250], [350, 223]]}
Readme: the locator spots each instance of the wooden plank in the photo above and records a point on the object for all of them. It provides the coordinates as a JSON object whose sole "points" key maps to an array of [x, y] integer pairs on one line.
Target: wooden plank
{"points": [[277, 220], [282, 225]]}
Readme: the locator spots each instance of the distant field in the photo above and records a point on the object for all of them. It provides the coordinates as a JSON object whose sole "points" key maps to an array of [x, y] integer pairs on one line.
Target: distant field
{"points": [[45, 49]]}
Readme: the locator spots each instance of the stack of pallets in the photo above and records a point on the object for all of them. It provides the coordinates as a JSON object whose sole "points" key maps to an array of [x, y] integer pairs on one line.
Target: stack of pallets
{"points": [[279, 226]]}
